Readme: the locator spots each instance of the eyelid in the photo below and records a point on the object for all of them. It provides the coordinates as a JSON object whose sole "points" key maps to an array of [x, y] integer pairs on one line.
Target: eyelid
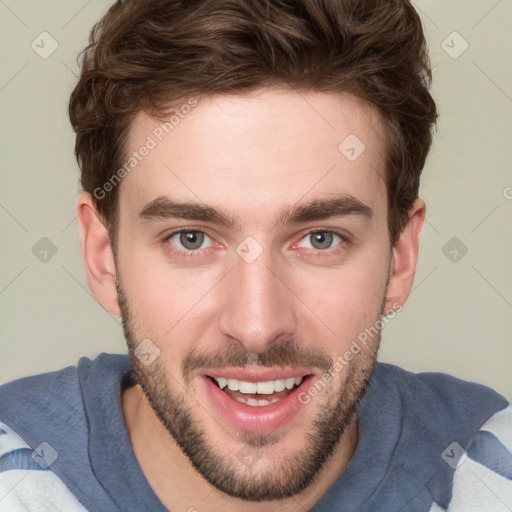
{"points": [[175, 231]]}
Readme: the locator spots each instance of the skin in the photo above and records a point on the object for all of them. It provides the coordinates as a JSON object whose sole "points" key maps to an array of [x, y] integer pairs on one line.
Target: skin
{"points": [[251, 155]]}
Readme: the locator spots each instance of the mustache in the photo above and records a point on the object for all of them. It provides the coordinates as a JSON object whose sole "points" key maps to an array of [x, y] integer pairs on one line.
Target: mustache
{"points": [[283, 353]]}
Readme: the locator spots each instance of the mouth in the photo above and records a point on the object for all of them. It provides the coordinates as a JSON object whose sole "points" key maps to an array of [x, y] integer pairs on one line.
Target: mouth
{"points": [[257, 403], [257, 394]]}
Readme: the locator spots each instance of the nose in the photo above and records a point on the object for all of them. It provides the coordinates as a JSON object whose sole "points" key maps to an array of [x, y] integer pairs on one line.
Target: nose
{"points": [[259, 306]]}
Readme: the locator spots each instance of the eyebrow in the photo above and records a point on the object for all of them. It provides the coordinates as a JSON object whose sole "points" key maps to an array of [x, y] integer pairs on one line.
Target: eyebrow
{"points": [[344, 205]]}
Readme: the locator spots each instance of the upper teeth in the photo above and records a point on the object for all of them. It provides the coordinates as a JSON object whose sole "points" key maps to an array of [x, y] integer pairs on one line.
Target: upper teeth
{"points": [[263, 388]]}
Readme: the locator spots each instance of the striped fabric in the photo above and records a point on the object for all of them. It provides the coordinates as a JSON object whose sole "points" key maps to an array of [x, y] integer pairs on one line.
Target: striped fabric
{"points": [[70, 423], [26, 480], [483, 478]]}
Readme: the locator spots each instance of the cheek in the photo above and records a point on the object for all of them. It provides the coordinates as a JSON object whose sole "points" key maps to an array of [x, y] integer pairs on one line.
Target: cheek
{"points": [[347, 300], [163, 299]]}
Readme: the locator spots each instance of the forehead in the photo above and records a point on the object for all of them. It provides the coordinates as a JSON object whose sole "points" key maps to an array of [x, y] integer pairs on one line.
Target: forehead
{"points": [[252, 152]]}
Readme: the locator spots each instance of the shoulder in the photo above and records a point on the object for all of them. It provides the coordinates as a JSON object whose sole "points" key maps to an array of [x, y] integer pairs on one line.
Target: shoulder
{"points": [[435, 415], [441, 400], [41, 403], [61, 386], [34, 405], [41, 406], [45, 421], [483, 475], [55, 398]]}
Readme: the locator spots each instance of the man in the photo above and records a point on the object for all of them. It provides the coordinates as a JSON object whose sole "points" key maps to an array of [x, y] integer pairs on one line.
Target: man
{"points": [[250, 208]]}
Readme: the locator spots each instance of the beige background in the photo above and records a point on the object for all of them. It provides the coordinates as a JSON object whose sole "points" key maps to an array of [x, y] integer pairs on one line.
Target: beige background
{"points": [[458, 318]]}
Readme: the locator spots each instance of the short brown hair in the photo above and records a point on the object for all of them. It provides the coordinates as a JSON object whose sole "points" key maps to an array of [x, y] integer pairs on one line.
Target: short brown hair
{"points": [[149, 54]]}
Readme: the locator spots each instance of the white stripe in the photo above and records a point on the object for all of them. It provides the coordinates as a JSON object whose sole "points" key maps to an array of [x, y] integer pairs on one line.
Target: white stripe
{"points": [[478, 489], [501, 426], [23, 490], [10, 441], [35, 491]]}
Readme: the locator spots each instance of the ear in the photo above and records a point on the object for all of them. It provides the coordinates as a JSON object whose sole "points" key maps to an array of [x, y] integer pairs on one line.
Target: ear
{"points": [[404, 258], [97, 254]]}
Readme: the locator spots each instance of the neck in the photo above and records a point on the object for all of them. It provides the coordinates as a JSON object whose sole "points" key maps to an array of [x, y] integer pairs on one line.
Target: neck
{"points": [[180, 487]]}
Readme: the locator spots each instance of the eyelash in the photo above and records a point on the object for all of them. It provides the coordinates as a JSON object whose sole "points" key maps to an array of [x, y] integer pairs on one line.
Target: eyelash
{"points": [[187, 253]]}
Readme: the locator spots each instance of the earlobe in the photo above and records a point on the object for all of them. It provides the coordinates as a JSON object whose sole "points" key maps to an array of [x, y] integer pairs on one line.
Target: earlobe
{"points": [[404, 258], [97, 254]]}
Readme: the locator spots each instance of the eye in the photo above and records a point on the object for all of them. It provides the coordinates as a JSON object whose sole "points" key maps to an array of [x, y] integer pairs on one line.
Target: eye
{"points": [[190, 240], [322, 240]]}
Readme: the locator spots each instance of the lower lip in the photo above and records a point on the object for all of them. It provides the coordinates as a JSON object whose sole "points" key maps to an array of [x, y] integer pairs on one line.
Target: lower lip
{"points": [[255, 419]]}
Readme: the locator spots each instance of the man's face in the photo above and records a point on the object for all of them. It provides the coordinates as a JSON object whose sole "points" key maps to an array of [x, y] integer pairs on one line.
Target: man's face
{"points": [[269, 300]]}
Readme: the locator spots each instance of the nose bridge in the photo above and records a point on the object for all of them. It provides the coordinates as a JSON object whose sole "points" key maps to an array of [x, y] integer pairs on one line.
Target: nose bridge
{"points": [[258, 308]]}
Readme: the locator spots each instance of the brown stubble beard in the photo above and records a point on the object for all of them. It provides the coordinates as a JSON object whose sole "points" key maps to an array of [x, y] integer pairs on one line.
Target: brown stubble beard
{"points": [[227, 472]]}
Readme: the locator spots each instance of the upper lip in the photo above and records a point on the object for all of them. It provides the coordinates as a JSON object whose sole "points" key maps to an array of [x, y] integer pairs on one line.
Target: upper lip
{"points": [[258, 374]]}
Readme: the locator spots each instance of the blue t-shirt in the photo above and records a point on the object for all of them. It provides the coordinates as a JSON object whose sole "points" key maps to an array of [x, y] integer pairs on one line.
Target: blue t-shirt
{"points": [[66, 429]]}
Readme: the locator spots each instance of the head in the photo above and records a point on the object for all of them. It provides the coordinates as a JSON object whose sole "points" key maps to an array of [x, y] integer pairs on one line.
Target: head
{"points": [[251, 173]]}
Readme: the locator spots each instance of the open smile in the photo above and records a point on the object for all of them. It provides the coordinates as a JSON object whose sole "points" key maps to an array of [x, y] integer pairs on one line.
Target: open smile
{"points": [[256, 402]]}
